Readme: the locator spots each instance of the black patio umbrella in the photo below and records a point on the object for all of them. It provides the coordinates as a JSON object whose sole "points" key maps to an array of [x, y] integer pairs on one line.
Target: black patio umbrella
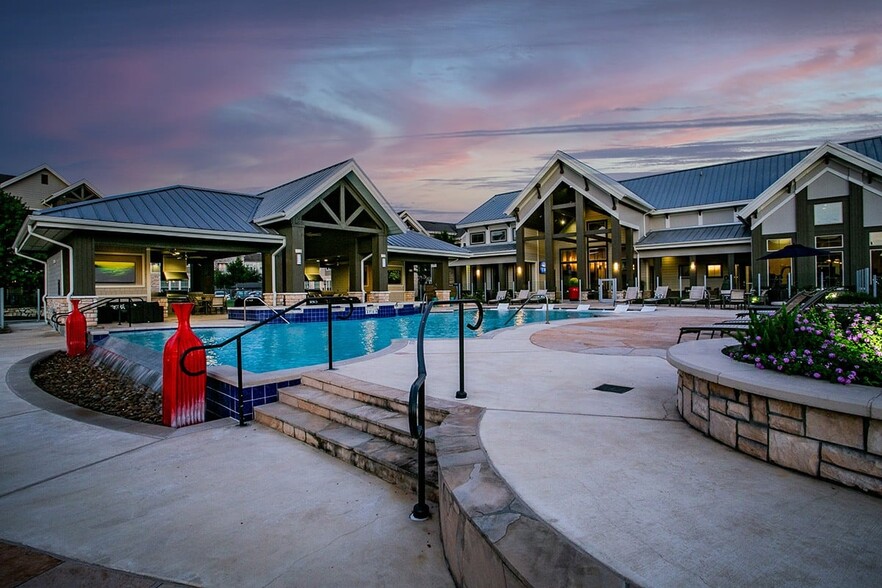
{"points": [[796, 250]]}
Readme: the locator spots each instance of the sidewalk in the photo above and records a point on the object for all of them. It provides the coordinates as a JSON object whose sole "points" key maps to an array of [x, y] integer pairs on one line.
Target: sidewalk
{"points": [[208, 505], [622, 476]]}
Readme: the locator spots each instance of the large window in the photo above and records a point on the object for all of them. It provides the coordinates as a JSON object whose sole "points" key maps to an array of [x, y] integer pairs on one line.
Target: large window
{"points": [[829, 213], [779, 269], [828, 241], [830, 270]]}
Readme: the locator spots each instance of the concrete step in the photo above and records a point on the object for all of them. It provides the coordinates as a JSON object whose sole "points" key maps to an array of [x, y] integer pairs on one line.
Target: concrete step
{"points": [[367, 418], [374, 394], [389, 461]]}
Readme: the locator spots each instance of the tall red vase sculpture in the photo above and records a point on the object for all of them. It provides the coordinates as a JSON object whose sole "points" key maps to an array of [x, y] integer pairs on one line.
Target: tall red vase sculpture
{"points": [[75, 331], [183, 396]]}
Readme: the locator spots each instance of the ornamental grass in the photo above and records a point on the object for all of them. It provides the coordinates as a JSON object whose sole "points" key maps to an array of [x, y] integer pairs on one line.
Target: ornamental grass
{"points": [[841, 345]]}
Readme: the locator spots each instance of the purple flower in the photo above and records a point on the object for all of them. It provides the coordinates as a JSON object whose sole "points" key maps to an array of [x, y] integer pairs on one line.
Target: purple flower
{"points": [[816, 375]]}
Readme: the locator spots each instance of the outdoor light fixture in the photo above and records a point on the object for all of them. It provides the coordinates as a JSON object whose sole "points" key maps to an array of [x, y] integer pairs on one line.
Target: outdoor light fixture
{"points": [[383, 260], [298, 256], [478, 272], [615, 266], [692, 265], [520, 270]]}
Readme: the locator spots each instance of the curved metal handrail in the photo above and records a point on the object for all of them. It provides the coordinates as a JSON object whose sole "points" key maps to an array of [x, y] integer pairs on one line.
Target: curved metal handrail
{"points": [[128, 300], [525, 303], [416, 405], [329, 301]]}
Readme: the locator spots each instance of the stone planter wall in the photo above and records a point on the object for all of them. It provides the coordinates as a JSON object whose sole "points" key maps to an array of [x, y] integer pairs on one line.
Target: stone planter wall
{"points": [[842, 444]]}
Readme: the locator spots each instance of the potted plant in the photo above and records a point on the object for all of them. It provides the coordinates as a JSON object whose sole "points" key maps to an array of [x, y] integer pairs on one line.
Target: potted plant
{"points": [[573, 289]]}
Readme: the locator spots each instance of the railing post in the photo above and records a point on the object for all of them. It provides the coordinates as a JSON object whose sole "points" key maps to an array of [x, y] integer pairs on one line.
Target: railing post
{"points": [[330, 336], [240, 401], [461, 393], [421, 510]]}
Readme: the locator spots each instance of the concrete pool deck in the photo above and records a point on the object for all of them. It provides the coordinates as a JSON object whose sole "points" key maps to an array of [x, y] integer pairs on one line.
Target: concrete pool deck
{"points": [[621, 475]]}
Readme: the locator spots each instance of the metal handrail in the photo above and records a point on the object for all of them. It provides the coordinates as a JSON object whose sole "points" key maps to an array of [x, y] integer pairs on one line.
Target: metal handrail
{"points": [[525, 303], [128, 300], [416, 406], [262, 301], [240, 401]]}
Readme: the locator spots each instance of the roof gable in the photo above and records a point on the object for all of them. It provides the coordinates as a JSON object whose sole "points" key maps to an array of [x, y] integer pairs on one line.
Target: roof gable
{"points": [[286, 201], [29, 173], [80, 191]]}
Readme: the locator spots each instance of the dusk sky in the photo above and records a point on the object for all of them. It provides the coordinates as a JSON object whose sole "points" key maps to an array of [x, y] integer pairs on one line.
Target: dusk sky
{"points": [[442, 103]]}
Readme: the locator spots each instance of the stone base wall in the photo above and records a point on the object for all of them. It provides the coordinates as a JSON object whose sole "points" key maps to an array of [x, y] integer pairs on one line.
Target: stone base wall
{"points": [[442, 294], [284, 298], [378, 296], [58, 305], [843, 448]]}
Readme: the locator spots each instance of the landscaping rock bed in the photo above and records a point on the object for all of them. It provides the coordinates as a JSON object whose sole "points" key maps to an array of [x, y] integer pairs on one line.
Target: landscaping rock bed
{"points": [[76, 380]]}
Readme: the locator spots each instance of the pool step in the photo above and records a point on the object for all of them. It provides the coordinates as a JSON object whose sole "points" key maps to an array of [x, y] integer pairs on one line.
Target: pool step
{"points": [[358, 422]]}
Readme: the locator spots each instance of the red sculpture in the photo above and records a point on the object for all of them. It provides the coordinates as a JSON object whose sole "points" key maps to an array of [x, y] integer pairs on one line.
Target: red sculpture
{"points": [[183, 395], [75, 331]]}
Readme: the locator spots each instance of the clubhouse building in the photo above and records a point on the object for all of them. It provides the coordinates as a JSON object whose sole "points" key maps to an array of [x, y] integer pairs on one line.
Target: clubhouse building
{"points": [[333, 231]]}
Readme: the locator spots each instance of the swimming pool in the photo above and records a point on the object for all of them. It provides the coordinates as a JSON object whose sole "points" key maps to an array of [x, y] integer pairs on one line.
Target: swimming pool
{"points": [[281, 346]]}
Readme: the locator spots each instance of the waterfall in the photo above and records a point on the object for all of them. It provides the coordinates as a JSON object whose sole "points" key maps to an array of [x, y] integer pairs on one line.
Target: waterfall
{"points": [[141, 364]]}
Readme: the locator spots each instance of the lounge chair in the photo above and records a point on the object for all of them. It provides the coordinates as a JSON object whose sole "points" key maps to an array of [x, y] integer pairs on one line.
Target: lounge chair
{"points": [[697, 294], [800, 300], [660, 295], [501, 296], [580, 308], [522, 296], [629, 295], [540, 296], [735, 299]]}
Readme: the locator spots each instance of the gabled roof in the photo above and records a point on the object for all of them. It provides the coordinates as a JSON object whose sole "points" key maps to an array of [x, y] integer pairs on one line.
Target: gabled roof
{"points": [[181, 207], [36, 170], [438, 226], [862, 159], [493, 210], [413, 242], [694, 235], [287, 200], [73, 187], [728, 182]]}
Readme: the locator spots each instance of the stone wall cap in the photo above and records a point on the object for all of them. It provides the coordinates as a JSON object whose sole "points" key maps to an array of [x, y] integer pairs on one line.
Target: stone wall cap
{"points": [[705, 360]]}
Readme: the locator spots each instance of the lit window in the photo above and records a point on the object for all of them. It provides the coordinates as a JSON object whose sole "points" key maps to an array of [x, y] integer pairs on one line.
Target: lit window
{"points": [[476, 238], [829, 213], [715, 271], [776, 244], [828, 241], [498, 236]]}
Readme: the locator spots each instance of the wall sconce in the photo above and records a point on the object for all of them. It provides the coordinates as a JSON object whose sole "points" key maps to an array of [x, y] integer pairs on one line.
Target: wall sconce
{"points": [[520, 270], [692, 266], [616, 266], [478, 273], [383, 260], [298, 256]]}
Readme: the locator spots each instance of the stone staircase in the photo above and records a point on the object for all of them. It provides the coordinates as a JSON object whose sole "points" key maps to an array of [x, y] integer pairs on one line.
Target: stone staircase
{"points": [[358, 422]]}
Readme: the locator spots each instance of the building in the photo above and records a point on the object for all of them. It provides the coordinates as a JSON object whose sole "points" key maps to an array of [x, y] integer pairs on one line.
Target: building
{"points": [[573, 225], [144, 244], [43, 187]]}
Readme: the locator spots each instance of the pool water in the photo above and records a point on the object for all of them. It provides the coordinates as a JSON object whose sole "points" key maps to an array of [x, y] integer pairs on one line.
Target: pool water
{"points": [[282, 346]]}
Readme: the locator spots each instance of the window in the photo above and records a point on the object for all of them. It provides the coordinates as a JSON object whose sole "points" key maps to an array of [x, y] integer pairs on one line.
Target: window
{"points": [[499, 236], [715, 271], [830, 270], [829, 213], [776, 244], [44, 179], [476, 238], [828, 241]]}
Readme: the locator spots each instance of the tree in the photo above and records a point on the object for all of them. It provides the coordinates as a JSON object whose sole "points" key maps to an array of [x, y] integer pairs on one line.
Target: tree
{"points": [[237, 273], [447, 237], [16, 273]]}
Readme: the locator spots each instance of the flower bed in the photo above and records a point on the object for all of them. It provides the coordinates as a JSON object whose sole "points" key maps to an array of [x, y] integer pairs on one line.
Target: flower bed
{"points": [[842, 345]]}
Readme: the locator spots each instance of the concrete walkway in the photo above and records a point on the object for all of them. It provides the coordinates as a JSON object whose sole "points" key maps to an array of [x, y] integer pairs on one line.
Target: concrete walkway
{"points": [[625, 478], [619, 474], [209, 505]]}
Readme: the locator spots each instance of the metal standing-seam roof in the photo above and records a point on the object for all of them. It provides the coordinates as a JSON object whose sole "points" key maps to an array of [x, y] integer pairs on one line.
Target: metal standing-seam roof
{"points": [[175, 206], [492, 249], [277, 200], [727, 232], [411, 240], [492, 210], [728, 182]]}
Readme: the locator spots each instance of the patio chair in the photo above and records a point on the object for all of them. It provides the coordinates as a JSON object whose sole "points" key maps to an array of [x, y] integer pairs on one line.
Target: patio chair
{"points": [[540, 296], [501, 296], [218, 304], [631, 294], [697, 294], [735, 299], [522, 296], [660, 295]]}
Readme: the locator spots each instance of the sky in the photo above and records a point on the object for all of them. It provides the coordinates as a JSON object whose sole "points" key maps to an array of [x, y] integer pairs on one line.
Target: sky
{"points": [[442, 103]]}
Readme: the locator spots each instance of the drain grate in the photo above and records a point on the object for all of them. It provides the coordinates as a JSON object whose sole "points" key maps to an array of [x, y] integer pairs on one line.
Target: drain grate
{"points": [[613, 388]]}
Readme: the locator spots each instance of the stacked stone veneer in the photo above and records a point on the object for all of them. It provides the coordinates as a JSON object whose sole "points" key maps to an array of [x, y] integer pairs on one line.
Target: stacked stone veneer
{"points": [[844, 448]]}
